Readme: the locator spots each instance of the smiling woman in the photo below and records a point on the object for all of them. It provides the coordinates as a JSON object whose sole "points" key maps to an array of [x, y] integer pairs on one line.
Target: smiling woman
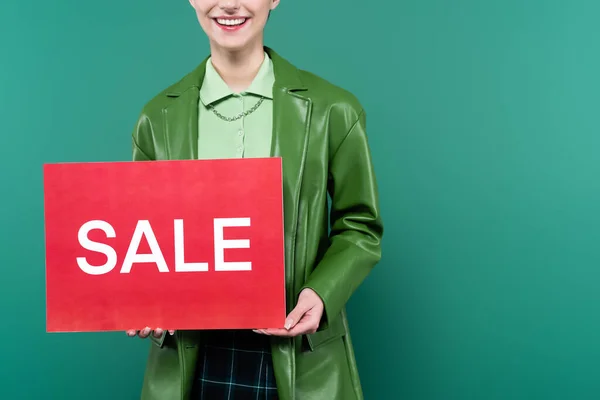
{"points": [[245, 101]]}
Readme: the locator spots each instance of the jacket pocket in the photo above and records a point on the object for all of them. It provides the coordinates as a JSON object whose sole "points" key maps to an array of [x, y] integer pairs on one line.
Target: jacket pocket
{"points": [[334, 331]]}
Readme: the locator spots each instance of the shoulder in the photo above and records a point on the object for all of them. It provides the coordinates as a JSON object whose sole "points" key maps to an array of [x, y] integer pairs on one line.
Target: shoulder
{"points": [[149, 124], [339, 107], [166, 96], [324, 93]]}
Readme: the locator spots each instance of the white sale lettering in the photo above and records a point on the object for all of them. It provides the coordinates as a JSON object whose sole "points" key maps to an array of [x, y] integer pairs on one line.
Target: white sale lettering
{"points": [[144, 229], [180, 264], [86, 243], [222, 244]]}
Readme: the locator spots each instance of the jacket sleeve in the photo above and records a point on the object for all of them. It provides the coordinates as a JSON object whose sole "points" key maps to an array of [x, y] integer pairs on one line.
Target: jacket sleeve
{"points": [[356, 226]]}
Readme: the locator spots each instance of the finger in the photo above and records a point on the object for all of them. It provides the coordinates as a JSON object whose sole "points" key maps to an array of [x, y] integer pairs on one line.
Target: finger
{"points": [[131, 332], [300, 329], [144, 333], [297, 313], [158, 332], [171, 332], [261, 332], [304, 327], [307, 325], [282, 332]]}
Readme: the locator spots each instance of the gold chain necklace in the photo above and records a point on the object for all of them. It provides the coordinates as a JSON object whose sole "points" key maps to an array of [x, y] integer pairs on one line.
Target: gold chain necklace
{"points": [[240, 115]]}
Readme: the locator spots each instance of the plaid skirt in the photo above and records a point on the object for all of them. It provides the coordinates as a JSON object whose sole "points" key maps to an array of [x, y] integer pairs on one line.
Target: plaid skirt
{"points": [[235, 365]]}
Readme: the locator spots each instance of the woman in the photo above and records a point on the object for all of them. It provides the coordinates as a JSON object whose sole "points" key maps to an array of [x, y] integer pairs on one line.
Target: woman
{"points": [[247, 101]]}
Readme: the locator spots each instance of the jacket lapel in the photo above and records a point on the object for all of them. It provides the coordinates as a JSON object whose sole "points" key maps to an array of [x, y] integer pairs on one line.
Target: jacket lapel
{"points": [[181, 126], [181, 116], [291, 115], [291, 123]]}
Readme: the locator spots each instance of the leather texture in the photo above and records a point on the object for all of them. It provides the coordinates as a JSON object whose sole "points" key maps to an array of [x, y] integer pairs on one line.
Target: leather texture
{"points": [[319, 130]]}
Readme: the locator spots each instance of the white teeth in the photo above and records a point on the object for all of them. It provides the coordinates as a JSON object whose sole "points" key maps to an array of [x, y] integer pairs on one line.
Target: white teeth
{"points": [[231, 22]]}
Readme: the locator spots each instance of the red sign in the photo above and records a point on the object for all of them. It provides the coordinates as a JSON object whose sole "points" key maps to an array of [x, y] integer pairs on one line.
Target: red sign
{"points": [[170, 244]]}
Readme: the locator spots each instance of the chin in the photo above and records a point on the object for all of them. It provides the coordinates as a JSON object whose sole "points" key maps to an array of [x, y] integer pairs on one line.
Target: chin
{"points": [[231, 48], [232, 45]]}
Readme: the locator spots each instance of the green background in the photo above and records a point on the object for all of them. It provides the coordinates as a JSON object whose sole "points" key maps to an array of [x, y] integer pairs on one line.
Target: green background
{"points": [[483, 120]]}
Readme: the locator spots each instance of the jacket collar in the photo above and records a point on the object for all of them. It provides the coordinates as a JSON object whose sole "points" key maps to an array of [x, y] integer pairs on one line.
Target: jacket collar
{"points": [[287, 76]]}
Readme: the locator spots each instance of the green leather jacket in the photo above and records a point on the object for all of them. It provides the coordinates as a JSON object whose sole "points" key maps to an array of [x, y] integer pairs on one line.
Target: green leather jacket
{"points": [[319, 131]]}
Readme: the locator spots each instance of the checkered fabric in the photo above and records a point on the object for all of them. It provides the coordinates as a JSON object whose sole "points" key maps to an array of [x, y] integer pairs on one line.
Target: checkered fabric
{"points": [[235, 365]]}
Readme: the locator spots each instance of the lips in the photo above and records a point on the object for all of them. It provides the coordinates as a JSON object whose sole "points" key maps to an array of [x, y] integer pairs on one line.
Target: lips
{"points": [[231, 23]]}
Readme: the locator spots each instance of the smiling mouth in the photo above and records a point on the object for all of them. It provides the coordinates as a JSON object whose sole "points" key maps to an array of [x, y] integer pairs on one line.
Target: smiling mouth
{"points": [[231, 22]]}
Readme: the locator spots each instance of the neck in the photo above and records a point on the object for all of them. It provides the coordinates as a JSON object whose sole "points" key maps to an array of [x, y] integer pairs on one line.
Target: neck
{"points": [[238, 69]]}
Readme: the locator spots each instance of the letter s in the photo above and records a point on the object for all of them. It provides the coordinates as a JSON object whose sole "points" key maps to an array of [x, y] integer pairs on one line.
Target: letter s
{"points": [[86, 243]]}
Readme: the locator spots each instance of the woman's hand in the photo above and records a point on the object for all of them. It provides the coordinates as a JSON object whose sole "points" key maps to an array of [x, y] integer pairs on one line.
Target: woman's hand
{"points": [[144, 333], [304, 318]]}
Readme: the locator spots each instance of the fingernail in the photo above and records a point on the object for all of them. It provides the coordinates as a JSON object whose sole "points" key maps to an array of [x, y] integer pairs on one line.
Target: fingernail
{"points": [[146, 331], [288, 323], [171, 333]]}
